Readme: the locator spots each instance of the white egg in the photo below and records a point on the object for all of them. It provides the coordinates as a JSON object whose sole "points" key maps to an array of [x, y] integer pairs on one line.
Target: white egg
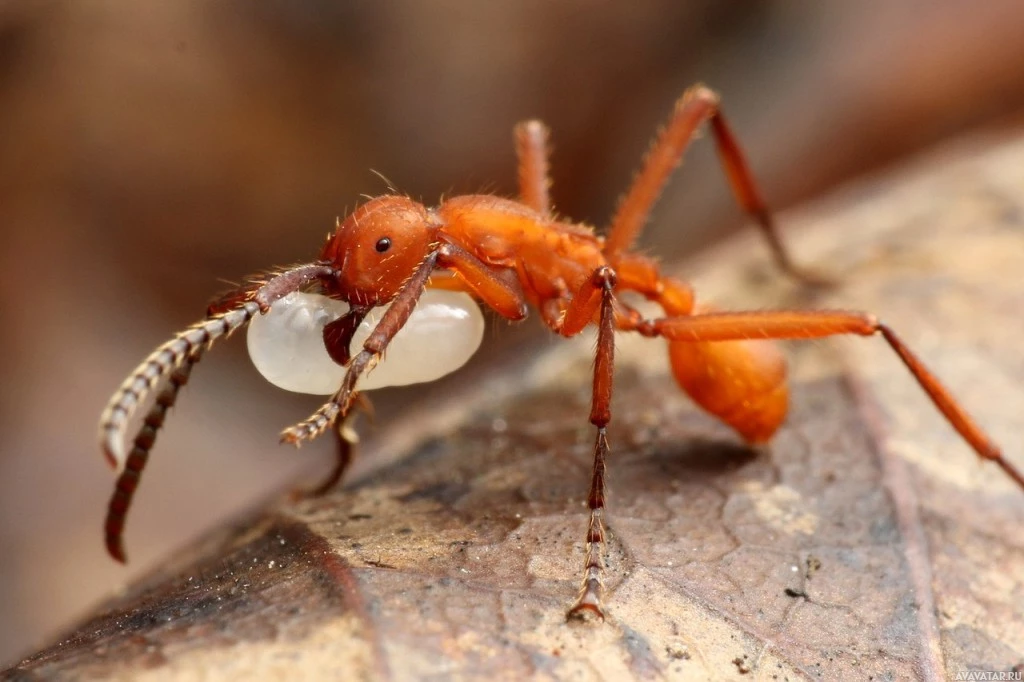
{"points": [[286, 344]]}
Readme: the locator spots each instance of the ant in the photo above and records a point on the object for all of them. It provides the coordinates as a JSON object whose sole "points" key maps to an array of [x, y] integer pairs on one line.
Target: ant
{"points": [[511, 255]]}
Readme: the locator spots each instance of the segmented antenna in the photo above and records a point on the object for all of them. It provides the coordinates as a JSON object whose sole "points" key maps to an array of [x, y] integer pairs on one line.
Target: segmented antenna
{"points": [[186, 347]]}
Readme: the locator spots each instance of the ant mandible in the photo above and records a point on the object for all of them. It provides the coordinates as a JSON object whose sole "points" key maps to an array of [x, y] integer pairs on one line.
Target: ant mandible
{"points": [[510, 254]]}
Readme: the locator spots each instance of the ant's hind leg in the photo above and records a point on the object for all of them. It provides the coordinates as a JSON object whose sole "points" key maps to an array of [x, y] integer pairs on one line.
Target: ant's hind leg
{"points": [[534, 179], [817, 324]]}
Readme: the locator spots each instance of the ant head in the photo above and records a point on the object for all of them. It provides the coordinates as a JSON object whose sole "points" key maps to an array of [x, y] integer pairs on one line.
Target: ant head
{"points": [[378, 247]]}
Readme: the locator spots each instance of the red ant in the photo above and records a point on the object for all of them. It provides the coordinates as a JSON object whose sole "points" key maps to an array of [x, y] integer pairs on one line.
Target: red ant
{"points": [[514, 254]]}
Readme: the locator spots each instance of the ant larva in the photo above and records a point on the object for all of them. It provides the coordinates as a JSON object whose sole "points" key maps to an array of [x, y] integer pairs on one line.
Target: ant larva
{"points": [[428, 266]]}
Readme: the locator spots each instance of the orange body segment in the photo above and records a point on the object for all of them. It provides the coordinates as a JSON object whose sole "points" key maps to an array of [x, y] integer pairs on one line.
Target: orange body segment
{"points": [[742, 383], [551, 259]]}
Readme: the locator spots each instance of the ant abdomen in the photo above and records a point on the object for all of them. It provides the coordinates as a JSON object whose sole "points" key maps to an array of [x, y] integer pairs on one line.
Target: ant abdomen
{"points": [[743, 383]]}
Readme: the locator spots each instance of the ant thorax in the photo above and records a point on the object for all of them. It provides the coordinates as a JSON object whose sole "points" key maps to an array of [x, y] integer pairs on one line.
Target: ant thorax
{"points": [[286, 344]]}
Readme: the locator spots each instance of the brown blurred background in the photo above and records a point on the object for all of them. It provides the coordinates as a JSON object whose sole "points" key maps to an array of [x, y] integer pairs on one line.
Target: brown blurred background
{"points": [[148, 151]]}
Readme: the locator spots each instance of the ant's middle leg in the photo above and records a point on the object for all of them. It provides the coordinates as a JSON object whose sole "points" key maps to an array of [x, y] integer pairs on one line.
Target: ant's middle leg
{"points": [[640, 274], [697, 105], [391, 322], [794, 324], [598, 292]]}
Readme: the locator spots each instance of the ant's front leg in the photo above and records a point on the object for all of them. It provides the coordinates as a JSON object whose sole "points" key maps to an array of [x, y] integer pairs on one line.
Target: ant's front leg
{"points": [[393, 319], [498, 288], [482, 280], [338, 334], [345, 442]]}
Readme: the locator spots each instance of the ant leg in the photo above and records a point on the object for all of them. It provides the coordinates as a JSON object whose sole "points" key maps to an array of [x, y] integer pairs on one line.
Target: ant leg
{"points": [[790, 324], [597, 292], [267, 288], [499, 289], [500, 293], [232, 313], [344, 450], [128, 481], [345, 445], [445, 280], [748, 196], [697, 105], [338, 334], [534, 179], [640, 274], [393, 319]]}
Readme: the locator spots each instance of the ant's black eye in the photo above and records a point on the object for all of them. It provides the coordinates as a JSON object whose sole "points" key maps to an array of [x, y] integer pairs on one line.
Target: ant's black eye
{"points": [[383, 244]]}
